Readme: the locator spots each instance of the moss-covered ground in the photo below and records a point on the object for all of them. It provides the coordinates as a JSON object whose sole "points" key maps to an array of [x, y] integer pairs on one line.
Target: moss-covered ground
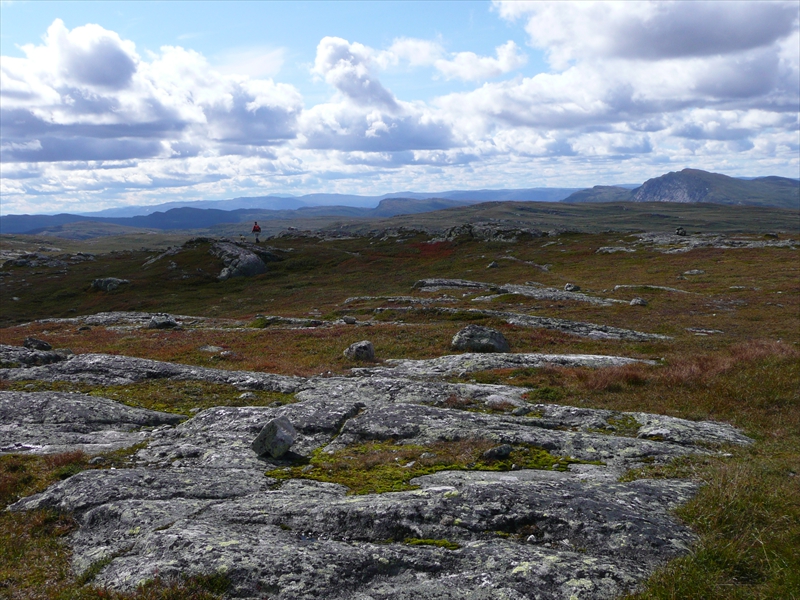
{"points": [[740, 365]]}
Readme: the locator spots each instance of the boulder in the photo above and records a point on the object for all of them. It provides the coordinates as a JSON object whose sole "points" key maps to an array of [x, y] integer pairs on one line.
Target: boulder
{"points": [[349, 320], [571, 287], [108, 284], [162, 322], [36, 344], [363, 350], [475, 338], [638, 302], [238, 261], [275, 438], [498, 452], [680, 231], [492, 265]]}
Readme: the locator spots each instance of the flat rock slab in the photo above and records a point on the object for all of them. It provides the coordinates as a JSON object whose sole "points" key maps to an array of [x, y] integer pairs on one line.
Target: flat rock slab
{"points": [[198, 501], [51, 422], [470, 362], [110, 369]]}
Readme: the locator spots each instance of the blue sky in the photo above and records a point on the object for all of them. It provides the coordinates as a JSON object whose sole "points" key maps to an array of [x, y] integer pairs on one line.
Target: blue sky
{"points": [[118, 103]]}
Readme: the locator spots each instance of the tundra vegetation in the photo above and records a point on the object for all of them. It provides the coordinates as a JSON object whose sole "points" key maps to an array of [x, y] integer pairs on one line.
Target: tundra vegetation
{"points": [[732, 355]]}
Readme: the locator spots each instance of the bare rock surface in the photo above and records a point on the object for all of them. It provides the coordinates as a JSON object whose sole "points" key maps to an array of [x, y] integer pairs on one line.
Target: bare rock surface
{"points": [[198, 501], [530, 291], [677, 244], [460, 364], [110, 369], [49, 422], [592, 330]]}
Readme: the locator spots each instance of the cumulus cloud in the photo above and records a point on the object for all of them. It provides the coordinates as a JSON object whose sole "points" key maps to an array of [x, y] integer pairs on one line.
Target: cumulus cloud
{"points": [[86, 94], [633, 89], [650, 30], [364, 115]]}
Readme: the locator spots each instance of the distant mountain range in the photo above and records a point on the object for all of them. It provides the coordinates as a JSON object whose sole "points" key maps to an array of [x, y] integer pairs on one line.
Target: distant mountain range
{"points": [[310, 200], [687, 186], [693, 185]]}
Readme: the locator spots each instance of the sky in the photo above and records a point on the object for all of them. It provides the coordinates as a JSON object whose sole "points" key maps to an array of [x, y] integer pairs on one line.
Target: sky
{"points": [[111, 104]]}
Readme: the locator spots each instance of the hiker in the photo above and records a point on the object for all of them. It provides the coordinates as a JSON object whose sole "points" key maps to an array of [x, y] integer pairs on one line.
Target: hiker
{"points": [[256, 230]]}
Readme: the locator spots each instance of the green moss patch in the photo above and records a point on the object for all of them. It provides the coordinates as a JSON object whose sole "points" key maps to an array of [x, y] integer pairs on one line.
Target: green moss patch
{"points": [[378, 467]]}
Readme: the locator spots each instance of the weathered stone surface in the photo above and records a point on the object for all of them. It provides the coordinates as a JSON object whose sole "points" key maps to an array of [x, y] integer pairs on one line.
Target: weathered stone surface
{"points": [[536, 291], [676, 244], [163, 321], [18, 356], [239, 260], [363, 350], [638, 302], [36, 344], [591, 330], [48, 422], [461, 364], [108, 369], [108, 284], [275, 439], [198, 500], [475, 338]]}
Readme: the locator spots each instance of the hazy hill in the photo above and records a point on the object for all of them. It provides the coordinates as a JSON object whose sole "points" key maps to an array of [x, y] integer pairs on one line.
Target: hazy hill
{"points": [[278, 203], [600, 193], [196, 218], [694, 185]]}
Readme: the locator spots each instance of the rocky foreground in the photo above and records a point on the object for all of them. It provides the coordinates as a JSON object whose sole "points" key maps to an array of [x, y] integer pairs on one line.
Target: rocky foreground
{"points": [[199, 499]]}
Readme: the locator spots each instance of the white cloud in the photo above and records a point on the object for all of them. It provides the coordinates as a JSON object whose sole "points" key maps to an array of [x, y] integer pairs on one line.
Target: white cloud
{"points": [[86, 94], [650, 30], [471, 67], [634, 89]]}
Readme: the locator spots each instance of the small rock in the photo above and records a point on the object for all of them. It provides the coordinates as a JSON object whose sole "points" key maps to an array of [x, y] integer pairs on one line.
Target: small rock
{"points": [[638, 302], [521, 411], [475, 338], [275, 438], [498, 452], [97, 460], [247, 396], [108, 284], [492, 265], [571, 287], [210, 349], [84, 328], [680, 231], [350, 320], [36, 344], [694, 272], [162, 322], [363, 350]]}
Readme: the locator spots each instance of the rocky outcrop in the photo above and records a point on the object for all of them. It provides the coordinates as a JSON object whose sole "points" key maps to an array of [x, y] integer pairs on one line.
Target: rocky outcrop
{"points": [[198, 501], [238, 261], [108, 369], [50, 422], [580, 328], [536, 291]]}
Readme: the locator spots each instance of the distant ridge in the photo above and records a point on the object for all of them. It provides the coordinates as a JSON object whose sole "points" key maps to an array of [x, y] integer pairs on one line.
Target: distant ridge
{"points": [[351, 200], [203, 218], [694, 185]]}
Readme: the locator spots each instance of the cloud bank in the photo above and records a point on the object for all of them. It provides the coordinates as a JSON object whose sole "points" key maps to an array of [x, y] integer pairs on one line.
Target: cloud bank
{"points": [[632, 90]]}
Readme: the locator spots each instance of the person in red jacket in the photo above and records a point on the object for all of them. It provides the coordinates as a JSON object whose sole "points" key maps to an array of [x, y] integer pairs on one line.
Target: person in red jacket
{"points": [[256, 230]]}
